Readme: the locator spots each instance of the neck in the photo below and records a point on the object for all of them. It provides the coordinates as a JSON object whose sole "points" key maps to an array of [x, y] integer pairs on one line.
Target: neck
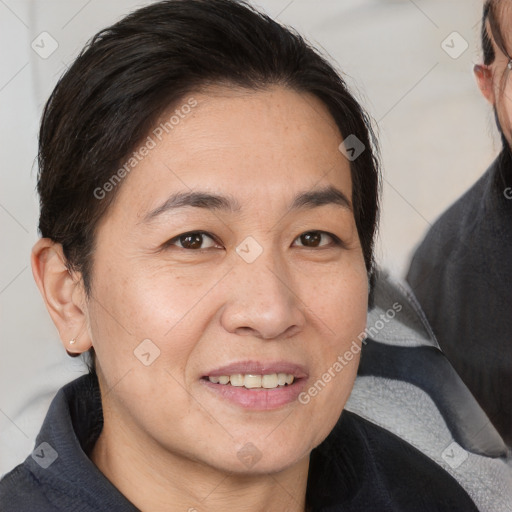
{"points": [[154, 479]]}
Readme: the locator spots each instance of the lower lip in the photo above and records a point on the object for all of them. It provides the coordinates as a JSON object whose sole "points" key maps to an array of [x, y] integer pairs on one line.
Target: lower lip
{"points": [[259, 399]]}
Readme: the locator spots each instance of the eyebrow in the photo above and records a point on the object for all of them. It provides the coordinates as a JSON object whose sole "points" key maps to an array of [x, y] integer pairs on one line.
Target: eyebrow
{"points": [[329, 195]]}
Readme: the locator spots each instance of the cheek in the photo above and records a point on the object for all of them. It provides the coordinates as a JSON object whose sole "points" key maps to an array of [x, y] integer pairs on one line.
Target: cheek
{"points": [[135, 304], [506, 116], [347, 323], [344, 308], [503, 95], [343, 300], [145, 304]]}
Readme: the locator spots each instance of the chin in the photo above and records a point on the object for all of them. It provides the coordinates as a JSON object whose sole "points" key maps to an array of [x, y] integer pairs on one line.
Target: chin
{"points": [[253, 459]]}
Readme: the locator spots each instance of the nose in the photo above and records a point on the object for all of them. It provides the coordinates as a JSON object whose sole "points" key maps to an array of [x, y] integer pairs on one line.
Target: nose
{"points": [[263, 302]]}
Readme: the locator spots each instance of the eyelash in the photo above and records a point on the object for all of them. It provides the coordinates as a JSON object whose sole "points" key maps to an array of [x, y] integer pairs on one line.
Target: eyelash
{"points": [[336, 242]]}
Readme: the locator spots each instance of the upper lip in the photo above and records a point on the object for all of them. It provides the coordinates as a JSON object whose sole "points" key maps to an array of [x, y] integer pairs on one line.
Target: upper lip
{"points": [[259, 368]]}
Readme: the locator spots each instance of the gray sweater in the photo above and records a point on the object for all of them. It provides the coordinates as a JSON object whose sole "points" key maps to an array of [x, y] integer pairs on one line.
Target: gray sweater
{"points": [[462, 276]]}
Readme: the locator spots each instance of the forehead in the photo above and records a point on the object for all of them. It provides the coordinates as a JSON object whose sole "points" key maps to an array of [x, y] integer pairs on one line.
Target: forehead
{"points": [[254, 145]]}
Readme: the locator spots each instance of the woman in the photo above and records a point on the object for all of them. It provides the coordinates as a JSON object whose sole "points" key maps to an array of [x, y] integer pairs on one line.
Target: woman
{"points": [[209, 199]]}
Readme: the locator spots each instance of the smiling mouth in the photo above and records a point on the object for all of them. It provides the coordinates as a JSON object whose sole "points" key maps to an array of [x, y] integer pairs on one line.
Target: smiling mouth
{"points": [[252, 381]]}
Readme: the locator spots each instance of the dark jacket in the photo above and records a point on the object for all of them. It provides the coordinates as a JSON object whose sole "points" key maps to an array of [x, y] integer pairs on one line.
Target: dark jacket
{"points": [[359, 467], [461, 275]]}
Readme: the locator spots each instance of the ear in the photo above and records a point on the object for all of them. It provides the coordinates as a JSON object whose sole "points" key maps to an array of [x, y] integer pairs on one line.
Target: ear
{"points": [[484, 79], [63, 295]]}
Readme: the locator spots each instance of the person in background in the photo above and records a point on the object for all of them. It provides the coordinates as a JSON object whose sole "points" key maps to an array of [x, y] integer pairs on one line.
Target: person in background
{"points": [[462, 271]]}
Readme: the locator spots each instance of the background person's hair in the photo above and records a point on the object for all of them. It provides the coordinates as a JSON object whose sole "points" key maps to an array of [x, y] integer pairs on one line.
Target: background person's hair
{"points": [[494, 11], [487, 48], [133, 72]]}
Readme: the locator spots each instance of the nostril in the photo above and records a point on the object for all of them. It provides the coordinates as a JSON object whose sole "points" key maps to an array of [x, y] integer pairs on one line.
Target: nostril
{"points": [[244, 330]]}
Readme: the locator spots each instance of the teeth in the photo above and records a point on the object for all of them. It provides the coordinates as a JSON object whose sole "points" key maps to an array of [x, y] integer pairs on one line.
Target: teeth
{"points": [[269, 381], [252, 381], [236, 380]]}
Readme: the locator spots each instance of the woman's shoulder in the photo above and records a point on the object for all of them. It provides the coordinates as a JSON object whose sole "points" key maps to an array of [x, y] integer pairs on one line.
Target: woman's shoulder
{"points": [[362, 466], [21, 491], [58, 475]]}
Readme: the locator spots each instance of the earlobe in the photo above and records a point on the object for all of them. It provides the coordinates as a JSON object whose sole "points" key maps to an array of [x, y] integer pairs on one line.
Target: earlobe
{"points": [[484, 78], [62, 293]]}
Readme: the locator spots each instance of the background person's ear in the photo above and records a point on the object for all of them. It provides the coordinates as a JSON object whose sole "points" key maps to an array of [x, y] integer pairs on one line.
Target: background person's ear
{"points": [[484, 79], [63, 295]]}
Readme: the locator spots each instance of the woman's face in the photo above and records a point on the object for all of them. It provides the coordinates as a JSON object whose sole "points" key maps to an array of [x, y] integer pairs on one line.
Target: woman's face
{"points": [[259, 285]]}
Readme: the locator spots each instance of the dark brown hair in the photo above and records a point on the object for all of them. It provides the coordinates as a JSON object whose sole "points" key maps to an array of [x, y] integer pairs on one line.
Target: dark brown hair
{"points": [[491, 14]]}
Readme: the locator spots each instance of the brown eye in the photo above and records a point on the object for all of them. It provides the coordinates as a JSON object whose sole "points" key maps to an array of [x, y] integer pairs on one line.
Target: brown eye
{"points": [[194, 241], [191, 241], [316, 239], [311, 239]]}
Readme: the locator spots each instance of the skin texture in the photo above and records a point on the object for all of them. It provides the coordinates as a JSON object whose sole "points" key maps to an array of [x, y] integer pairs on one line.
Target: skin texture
{"points": [[494, 80], [168, 442]]}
